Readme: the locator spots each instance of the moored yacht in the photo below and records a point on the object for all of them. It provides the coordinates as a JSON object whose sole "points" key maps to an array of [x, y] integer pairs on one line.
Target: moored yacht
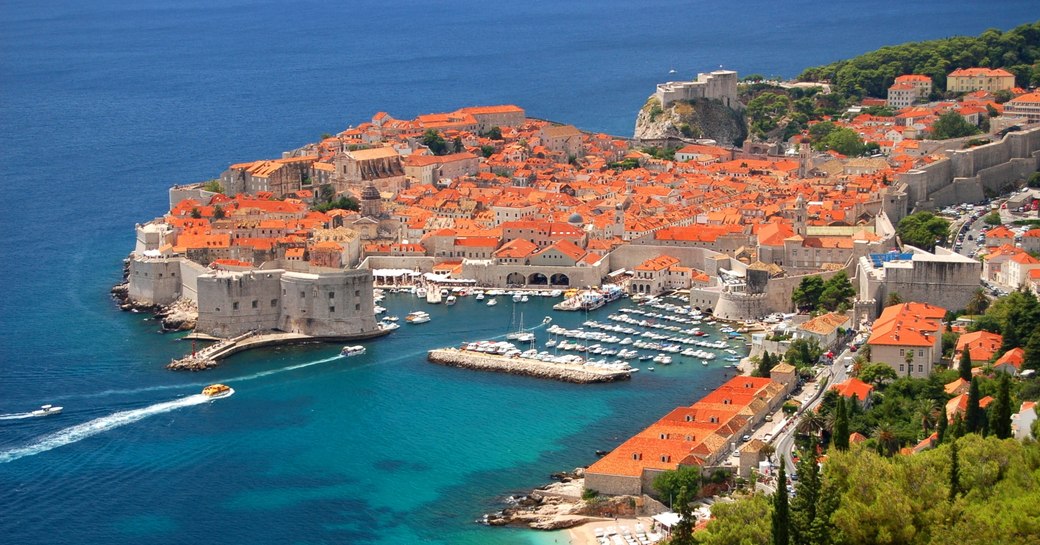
{"points": [[417, 317]]}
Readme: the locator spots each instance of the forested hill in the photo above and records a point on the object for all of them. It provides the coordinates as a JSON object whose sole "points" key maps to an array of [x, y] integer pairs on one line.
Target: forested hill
{"points": [[871, 74]]}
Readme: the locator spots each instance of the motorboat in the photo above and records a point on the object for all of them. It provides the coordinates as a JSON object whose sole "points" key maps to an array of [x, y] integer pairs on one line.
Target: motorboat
{"points": [[387, 326], [492, 302], [479, 296], [47, 410], [417, 317], [391, 318], [217, 391], [349, 351], [451, 300]]}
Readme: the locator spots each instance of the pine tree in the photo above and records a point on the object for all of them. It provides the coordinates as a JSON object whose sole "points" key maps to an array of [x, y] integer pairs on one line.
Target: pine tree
{"points": [[1000, 410], [804, 504], [955, 471], [942, 425], [964, 366], [973, 415], [840, 435], [781, 514], [765, 365]]}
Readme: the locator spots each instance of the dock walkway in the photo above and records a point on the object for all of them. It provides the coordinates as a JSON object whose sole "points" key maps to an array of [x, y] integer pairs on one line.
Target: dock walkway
{"points": [[565, 372]]}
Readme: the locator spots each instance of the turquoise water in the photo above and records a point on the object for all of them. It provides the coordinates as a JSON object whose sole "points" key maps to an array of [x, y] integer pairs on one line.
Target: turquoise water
{"points": [[105, 104]]}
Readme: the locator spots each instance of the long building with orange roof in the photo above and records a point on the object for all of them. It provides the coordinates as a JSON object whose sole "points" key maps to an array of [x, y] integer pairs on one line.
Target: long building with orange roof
{"points": [[700, 435]]}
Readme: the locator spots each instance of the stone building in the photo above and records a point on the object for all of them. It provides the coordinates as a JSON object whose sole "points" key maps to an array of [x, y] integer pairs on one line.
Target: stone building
{"points": [[381, 167], [966, 80], [719, 85], [908, 338], [945, 278]]}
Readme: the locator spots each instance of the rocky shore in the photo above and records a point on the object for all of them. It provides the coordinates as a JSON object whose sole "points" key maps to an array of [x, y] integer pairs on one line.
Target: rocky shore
{"points": [[453, 357], [559, 505], [180, 315]]}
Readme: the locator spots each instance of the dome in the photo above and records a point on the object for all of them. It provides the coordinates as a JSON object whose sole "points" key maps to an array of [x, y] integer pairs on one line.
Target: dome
{"points": [[370, 193], [575, 219]]}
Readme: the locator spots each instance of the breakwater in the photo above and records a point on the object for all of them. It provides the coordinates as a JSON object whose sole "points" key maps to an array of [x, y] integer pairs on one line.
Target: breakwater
{"points": [[564, 372]]}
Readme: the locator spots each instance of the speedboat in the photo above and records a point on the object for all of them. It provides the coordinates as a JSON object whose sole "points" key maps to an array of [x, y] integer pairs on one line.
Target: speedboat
{"points": [[387, 326], [417, 317], [492, 302], [217, 391], [349, 351], [47, 410], [450, 300], [479, 296]]}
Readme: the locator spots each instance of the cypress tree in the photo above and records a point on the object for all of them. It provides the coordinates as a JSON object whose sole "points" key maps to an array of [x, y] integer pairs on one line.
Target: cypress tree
{"points": [[1000, 410], [804, 504], [781, 514], [964, 366], [955, 470], [943, 424], [973, 415], [840, 435], [765, 365], [957, 428], [683, 534]]}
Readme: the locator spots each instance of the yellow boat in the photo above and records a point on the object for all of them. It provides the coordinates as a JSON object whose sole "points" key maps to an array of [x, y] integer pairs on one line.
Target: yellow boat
{"points": [[216, 391]]}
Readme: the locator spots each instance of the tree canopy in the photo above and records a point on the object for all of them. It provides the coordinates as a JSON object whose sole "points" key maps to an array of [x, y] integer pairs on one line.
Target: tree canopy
{"points": [[952, 125], [871, 74], [922, 230]]}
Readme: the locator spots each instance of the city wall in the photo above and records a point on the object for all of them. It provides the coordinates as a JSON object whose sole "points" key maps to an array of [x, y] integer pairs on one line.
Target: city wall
{"points": [[967, 175]]}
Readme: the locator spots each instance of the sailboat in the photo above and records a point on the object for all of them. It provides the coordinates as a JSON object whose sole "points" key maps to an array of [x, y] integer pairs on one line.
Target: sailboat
{"points": [[520, 335]]}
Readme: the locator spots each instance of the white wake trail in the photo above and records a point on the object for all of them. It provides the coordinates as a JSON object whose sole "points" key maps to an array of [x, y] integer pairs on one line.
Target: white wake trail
{"points": [[99, 425], [15, 416]]}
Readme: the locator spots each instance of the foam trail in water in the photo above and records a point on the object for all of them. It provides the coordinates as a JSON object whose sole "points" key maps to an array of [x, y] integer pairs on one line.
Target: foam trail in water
{"points": [[15, 416], [99, 425], [254, 376]]}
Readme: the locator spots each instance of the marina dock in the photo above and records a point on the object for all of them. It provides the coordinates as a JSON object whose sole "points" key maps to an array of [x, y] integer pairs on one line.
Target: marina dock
{"points": [[564, 372], [211, 355]]}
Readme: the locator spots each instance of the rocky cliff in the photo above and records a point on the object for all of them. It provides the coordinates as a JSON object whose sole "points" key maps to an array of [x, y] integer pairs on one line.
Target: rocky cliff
{"points": [[701, 118]]}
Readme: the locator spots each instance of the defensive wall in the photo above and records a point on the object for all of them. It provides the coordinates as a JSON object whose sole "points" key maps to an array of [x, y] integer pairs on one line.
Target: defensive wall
{"points": [[968, 175]]}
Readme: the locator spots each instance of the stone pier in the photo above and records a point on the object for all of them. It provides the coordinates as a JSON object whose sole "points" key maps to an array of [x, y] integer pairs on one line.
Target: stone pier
{"points": [[564, 372]]}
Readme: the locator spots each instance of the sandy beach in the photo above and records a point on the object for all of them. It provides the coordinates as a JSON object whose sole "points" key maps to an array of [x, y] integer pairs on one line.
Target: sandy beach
{"points": [[584, 534]]}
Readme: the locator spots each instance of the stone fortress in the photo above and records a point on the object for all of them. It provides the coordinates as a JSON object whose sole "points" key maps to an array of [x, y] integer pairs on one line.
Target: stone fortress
{"points": [[719, 85]]}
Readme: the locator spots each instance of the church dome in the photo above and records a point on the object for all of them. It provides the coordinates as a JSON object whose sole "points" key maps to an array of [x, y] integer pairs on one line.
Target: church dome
{"points": [[575, 219], [370, 193]]}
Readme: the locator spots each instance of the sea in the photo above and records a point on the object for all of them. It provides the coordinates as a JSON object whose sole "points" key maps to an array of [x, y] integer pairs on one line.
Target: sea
{"points": [[105, 103]]}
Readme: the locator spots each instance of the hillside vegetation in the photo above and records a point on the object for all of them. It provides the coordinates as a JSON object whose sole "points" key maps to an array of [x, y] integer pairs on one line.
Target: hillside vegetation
{"points": [[871, 74]]}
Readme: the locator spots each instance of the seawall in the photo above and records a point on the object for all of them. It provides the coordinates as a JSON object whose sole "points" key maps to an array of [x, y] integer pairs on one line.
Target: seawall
{"points": [[453, 357]]}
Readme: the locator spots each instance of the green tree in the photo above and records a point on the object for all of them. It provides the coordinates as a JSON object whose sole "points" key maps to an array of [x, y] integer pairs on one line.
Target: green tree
{"points": [[964, 364], [781, 514], [1000, 409], [1032, 356], [804, 505], [952, 125], [807, 295], [432, 139], [840, 437], [487, 151], [494, 133], [803, 352], [955, 471], [196, 213], [877, 374], [218, 212], [940, 428], [974, 417], [457, 145], [765, 111], [1034, 180], [993, 218], [682, 534], [923, 229], [668, 483], [844, 141], [213, 186], [837, 291], [893, 299], [765, 364], [745, 522], [978, 303]]}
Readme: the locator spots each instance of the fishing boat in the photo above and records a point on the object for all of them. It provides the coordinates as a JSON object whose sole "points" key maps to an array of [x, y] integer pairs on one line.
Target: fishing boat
{"points": [[349, 351], [47, 410], [217, 391]]}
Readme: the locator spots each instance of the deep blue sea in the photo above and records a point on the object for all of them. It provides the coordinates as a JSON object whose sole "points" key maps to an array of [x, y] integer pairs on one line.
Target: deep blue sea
{"points": [[103, 104]]}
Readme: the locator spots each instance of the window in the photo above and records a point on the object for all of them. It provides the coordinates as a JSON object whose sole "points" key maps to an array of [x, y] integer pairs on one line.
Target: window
{"points": [[664, 436], [357, 293], [234, 306], [920, 368], [332, 309], [901, 367], [303, 295], [256, 304], [689, 418], [332, 295], [920, 352], [637, 456], [274, 303], [901, 352], [666, 458], [357, 306]]}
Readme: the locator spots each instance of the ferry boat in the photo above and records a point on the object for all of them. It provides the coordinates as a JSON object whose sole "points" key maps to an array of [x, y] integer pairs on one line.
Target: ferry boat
{"points": [[217, 391], [47, 410], [349, 351], [417, 317]]}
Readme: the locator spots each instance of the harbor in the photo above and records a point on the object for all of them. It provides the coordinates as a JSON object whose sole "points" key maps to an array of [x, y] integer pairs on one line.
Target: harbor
{"points": [[579, 373]]}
